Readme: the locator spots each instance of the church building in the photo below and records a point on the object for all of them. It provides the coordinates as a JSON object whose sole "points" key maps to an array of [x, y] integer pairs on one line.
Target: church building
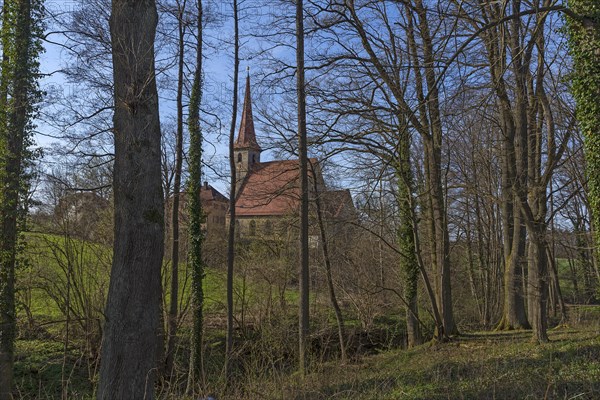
{"points": [[268, 192]]}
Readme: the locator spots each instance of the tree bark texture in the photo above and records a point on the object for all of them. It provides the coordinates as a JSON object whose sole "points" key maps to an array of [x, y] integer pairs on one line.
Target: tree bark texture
{"points": [[196, 371], [16, 97], [232, 196], [409, 266], [129, 349], [303, 270], [174, 295], [537, 284]]}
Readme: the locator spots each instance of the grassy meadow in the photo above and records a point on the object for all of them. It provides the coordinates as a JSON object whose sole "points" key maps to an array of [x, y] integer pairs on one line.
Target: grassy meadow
{"points": [[57, 349]]}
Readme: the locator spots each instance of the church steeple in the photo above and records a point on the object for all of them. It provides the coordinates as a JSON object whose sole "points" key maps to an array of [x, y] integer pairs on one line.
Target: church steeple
{"points": [[247, 150], [247, 136]]}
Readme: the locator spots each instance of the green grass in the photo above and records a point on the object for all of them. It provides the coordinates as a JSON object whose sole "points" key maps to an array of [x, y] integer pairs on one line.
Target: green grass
{"points": [[46, 264], [39, 371], [475, 366], [42, 279], [479, 365], [482, 365]]}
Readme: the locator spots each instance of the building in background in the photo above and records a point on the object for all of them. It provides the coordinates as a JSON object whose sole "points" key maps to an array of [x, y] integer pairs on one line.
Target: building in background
{"points": [[268, 193]]}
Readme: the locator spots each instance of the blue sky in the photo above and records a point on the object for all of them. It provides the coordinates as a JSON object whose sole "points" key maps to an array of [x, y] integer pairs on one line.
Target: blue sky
{"points": [[218, 71], [218, 67]]}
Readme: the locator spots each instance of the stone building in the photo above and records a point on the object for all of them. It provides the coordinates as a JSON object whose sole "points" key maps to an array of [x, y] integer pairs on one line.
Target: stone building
{"points": [[268, 192]]}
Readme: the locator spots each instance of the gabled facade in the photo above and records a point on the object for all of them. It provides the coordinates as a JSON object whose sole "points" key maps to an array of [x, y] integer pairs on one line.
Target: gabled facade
{"points": [[214, 208]]}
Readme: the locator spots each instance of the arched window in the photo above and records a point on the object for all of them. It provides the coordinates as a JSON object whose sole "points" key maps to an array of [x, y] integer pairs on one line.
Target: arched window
{"points": [[268, 228], [239, 157], [252, 228], [253, 158]]}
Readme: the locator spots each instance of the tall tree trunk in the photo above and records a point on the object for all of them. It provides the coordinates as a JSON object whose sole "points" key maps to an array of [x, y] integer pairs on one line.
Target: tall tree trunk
{"points": [[537, 283], [131, 339], [174, 298], [339, 317], [556, 285], [406, 241], [303, 326], [196, 373], [520, 118], [433, 160], [540, 168], [232, 195], [584, 44], [471, 258], [497, 40], [513, 314], [17, 74]]}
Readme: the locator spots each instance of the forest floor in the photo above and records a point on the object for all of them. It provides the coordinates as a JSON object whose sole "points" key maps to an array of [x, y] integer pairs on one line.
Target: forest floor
{"points": [[482, 365], [475, 365], [478, 365]]}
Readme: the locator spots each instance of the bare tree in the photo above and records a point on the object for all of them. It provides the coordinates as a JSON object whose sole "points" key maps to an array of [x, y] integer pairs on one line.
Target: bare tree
{"points": [[303, 271], [395, 78], [174, 298], [232, 190], [535, 132]]}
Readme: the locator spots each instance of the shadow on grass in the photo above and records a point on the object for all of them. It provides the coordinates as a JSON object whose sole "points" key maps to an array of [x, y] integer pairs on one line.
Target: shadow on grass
{"points": [[564, 369]]}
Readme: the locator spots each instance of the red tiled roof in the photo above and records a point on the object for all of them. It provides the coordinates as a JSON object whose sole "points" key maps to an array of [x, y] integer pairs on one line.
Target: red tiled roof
{"points": [[247, 136], [271, 188]]}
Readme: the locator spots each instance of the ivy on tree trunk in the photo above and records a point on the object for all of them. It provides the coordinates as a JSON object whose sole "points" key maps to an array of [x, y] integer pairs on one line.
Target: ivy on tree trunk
{"points": [[584, 33], [19, 95], [195, 212]]}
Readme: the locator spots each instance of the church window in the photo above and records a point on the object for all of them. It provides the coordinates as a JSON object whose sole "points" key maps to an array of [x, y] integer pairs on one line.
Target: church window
{"points": [[268, 228], [239, 157], [252, 228]]}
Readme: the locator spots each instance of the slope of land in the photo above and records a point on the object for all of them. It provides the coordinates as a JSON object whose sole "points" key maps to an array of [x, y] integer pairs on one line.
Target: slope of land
{"points": [[475, 366]]}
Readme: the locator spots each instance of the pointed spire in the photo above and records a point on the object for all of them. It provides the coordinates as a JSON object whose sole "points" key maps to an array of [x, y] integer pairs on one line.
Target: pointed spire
{"points": [[247, 136]]}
